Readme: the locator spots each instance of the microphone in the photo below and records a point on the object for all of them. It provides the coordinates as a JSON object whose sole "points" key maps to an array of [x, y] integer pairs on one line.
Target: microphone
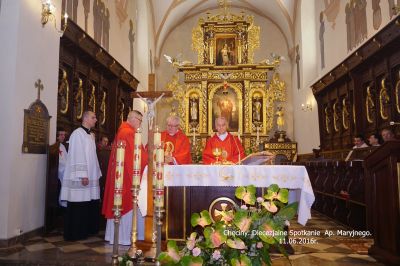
{"points": [[394, 123]]}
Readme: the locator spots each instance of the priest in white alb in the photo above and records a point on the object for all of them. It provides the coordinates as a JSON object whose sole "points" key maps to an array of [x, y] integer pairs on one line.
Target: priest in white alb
{"points": [[80, 184]]}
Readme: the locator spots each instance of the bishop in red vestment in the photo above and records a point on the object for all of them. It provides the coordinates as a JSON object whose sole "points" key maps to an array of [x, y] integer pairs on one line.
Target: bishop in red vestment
{"points": [[232, 149], [126, 132], [174, 139]]}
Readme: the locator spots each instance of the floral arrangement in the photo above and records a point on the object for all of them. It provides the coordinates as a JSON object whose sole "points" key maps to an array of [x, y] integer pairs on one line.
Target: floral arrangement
{"points": [[242, 236]]}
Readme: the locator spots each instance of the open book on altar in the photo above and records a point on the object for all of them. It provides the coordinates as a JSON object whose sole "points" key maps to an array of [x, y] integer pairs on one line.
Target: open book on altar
{"points": [[258, 158]]}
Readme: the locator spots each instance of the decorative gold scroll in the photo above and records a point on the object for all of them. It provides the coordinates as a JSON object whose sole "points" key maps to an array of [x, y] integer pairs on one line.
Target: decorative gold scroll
{"points": [[383, 100], [345, 114], [79, 100], [397, 94], [63, 92], [92, 98], [327, 120], [103, 108], [335, 117], [369, 105]]}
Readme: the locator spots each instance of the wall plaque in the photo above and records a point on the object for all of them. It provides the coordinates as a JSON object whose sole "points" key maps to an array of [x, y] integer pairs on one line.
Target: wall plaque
{"points": [[36, 126]]}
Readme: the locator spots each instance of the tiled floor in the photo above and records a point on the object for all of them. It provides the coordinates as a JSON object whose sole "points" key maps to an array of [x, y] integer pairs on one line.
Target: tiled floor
{"points": [[327, 250]]}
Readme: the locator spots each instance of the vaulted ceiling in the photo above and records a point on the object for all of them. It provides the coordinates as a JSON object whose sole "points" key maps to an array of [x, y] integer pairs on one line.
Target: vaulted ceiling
{"points": [[167, 14]]}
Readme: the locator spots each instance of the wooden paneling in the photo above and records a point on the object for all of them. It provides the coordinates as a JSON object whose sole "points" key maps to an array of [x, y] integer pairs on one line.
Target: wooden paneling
{"points": [[378, 59]]}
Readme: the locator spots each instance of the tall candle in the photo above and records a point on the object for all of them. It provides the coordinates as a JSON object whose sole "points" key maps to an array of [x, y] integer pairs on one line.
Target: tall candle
{"points": [[138, 137], [137, 158], [157, 138], [160, 155], [119, 173]]}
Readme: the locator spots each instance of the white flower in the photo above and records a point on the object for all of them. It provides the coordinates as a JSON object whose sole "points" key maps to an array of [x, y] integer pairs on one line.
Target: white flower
{"points": [[196, 251], [287, 223], [243, 207], [216, 255], [120, 259], [260, 200], [129, 263], [259, 245]]}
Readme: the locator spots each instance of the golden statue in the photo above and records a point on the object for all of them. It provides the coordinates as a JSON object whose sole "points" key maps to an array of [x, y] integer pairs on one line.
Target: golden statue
{"points": [[280, 121], [79, 100], [63, 92], [383, 100], [369, 105]]}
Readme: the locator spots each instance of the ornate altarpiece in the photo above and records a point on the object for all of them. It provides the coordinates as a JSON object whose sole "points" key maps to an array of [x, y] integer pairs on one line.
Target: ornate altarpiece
{"points": [[225, 81]]}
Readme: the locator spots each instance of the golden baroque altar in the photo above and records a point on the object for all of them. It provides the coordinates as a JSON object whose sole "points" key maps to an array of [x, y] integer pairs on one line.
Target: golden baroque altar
{"points": [[226, 82]]}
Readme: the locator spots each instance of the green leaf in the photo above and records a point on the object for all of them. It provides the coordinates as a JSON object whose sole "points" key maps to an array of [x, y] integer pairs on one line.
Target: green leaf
{"points": [[191, 261], [283, 195], [266, 233], [273, 188], [242, 221], [242, 261], [236, 243], [239, 192], [265, 255], [215, 237], [203, 219], [287, 212]]}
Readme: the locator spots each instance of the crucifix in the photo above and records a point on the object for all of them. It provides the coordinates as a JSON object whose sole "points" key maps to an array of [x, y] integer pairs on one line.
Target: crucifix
{"points": [[39, 86], [150, 97]]}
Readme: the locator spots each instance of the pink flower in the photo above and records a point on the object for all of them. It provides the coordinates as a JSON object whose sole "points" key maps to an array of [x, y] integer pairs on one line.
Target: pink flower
{"points": [[259, 245], [260, 200], [243, 207], [216, 255], [196, 251]]}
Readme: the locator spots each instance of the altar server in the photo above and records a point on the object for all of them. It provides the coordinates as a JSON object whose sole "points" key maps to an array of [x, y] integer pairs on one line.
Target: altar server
{"points": [[80, 185]]}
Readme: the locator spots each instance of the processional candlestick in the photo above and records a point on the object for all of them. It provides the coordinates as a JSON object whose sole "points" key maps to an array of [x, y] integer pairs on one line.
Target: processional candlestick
{"points": [[133, 252], [119, 179]]}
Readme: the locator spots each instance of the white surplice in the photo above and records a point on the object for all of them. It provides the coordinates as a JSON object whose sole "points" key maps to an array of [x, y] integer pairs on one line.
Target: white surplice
{"points": [[81, 162]]}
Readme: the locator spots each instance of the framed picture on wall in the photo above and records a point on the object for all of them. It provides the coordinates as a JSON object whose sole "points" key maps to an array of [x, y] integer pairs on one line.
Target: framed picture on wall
{"points": [[226, 50]]}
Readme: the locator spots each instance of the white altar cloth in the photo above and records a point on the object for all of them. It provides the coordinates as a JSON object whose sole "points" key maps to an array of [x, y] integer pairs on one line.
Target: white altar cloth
{"points": [[285, 176]]}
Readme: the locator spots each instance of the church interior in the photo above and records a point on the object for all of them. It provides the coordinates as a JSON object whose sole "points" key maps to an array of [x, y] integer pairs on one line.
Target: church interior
{"points": [[298, 80]]}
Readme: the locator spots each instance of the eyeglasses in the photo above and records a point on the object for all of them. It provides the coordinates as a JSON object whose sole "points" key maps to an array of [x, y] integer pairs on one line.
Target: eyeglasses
{"points": [[173, 125], [138, 119]]}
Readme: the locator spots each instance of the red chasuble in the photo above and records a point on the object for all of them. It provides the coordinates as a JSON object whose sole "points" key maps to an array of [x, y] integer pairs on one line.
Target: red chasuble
{"points": [[181, 144], [127, 133], [231, 145]]}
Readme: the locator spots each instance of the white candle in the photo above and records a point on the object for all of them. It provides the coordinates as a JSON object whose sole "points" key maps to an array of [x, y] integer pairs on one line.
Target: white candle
{"points": [[138, 137], [157, 138], [160, 155], [119, 173], [65, 19]]}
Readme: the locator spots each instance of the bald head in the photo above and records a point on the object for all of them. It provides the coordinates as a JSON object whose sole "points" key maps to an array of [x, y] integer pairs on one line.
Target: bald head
{"points": [[135, 118], [89, 119]]}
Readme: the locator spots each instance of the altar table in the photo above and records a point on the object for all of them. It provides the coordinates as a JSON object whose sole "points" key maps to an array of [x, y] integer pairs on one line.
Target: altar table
{"points": [[186, 183]]}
